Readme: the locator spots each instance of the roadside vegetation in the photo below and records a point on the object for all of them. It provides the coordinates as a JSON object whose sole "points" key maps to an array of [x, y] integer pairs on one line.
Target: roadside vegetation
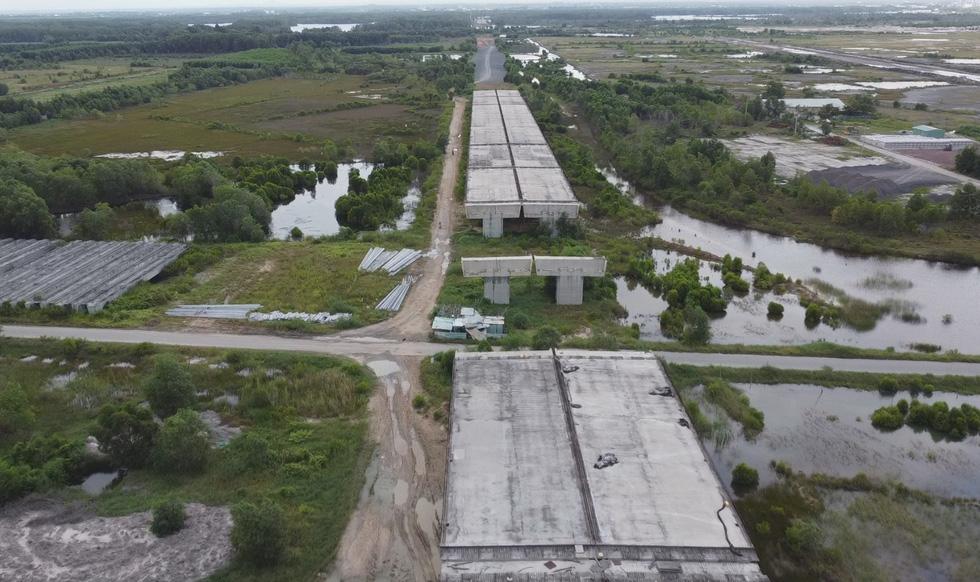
{"points": [[296, 444]]}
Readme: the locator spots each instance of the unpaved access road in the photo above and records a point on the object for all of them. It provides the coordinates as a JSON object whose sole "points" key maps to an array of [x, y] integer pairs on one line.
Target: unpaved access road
{"points": [[412, 320]]}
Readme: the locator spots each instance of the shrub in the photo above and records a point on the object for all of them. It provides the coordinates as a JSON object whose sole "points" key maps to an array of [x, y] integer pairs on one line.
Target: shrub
{"points": [[887, 418], [296, 233], [169, 387], [803, 536], [518, 320], [546, 338], [168, 518], [182, 446], [16, 413], [888, 385], [775, 310], [419, 402], [126, 433], [259, 532], [744, 478], [248, 452]]}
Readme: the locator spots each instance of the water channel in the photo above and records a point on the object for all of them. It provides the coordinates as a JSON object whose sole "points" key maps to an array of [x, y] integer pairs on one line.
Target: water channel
{"points": [[925, 292], [827, 430]]}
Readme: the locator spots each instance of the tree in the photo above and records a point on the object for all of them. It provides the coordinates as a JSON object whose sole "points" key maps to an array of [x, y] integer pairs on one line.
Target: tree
{"points": [[235, 215], [697, 326], [23, 214], [773, 98], [16, 412], [296, 233], [803, 536], [169, 387], [168, 518], [95, 224], [4, 89], [193, 183], [126, 433], [775, 310], [860, 104], [826, 127], [744, 478], [968, 162], [887, 418], [965, 203], [546, 338], [259, 532], [182, 446]]}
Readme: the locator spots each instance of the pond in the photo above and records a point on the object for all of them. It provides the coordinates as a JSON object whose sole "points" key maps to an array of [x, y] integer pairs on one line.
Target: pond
{"points": [[827, 430], [534, 57], [163, 206], [313, 211], [96, 483], [939, 300]]}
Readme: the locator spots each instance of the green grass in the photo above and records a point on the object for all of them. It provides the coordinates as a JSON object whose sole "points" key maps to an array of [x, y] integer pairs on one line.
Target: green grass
{"points": [[42, 84], [285, 116], [686, 375], [318, 465]]}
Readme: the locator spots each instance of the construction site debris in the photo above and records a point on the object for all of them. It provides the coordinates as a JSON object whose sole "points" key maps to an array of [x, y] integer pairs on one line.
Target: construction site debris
{"points": [[390, 261], [605, 460], [454, 322], [220, 311], [320, 317], [393, 301]]}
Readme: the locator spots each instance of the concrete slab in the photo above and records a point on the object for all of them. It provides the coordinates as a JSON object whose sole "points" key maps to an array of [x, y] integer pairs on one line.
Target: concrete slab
{"points": [[497, 266], [582, 266], [544, 185], [511, 477], [490, 156], [491, 185], [533, 156]]}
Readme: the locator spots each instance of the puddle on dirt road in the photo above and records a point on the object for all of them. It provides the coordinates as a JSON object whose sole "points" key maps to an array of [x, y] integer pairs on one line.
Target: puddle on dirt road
{"points": [[827, 430], [96, 483], [941, 296], [383, 368]]}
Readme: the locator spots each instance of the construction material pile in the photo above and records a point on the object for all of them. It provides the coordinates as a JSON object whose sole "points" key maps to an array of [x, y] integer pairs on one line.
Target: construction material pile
{"points": [[321, 317], [81, 275], [218, 311], [393, 301], [390, 261]]}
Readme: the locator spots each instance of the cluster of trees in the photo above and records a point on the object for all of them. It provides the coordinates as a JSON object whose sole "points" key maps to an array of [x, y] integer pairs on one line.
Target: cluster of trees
{"points": [[731, 274], [955, 423], [689, 299], [376, 201], [968, 162]]}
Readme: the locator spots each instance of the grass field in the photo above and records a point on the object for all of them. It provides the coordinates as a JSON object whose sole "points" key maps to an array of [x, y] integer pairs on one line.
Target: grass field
{"points": [[283, 116], [311, 414], [87, 75]]}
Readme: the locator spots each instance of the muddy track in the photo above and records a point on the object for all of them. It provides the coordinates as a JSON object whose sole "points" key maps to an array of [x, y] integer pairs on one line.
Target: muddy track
{"points": [[394, 533]]}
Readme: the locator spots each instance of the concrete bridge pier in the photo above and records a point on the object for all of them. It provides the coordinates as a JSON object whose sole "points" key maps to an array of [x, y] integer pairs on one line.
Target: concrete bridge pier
{"points": [[496, 273], [493, 226], [569, 290], [497, 290]]}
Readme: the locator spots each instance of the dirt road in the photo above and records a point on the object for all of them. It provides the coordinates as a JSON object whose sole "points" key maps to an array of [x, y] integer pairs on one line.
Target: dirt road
{"points": [[394, 533], [412, 321]]}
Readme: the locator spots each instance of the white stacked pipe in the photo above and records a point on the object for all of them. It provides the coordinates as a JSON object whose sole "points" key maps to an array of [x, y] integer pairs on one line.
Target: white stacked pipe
{"points": [[393, 300], [391, 261]]}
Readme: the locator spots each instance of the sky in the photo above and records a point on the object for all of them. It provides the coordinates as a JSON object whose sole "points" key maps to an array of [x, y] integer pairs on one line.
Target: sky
{"points": [[7, 6]]}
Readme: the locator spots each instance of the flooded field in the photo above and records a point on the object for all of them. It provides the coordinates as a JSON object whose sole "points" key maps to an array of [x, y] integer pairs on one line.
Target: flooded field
{"points": [[827, 430], [930, 302]]}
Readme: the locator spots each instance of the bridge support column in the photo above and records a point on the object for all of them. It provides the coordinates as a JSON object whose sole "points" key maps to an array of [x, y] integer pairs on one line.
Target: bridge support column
{"points": [[497, 290], [569, 289]]}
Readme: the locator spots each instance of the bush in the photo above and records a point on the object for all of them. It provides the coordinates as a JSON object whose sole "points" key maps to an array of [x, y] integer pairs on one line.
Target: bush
{"points": [[803, 536], [775, 310], [16, 413], [126, 433], [296, 233], [887, 418], [888, 385], [182, 446], [169, 387], [259, 532], [546, 338], [744, 478], [518, 320], [168, 519], [248, 452]]}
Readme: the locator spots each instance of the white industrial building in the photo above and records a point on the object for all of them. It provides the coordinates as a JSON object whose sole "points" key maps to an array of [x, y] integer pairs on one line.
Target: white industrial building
{"points": [[512, 171], [813, 104], [527, 500], [918, 142]]}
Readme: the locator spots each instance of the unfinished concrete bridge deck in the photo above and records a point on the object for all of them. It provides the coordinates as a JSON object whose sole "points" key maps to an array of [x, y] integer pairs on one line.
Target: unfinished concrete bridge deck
{"points": [[524, 501], [512, 170]]}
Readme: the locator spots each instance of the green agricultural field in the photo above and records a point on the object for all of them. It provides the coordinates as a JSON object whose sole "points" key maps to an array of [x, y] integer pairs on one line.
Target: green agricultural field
{"points": [[71, 77], [287, 116], [304, 414]]}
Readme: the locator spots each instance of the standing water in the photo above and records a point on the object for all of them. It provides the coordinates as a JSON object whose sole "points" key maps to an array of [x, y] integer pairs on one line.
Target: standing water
{"points": [[931, 302], [313, 211]]}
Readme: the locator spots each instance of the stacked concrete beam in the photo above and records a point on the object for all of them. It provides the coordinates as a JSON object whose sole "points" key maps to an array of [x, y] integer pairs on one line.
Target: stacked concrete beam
{"points": [[512, 171], [83, 275], [571, 273], [496, 273]]}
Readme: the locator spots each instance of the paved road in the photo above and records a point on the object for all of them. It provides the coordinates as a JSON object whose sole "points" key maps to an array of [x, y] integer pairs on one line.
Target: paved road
{"points": [[369, 347], [489, 62], [916, 162], [945, 73]]}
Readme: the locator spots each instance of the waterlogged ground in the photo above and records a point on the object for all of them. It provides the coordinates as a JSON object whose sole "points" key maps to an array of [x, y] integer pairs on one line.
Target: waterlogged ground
{"points": [[313, 210], [827, 430], [921, 294]]}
